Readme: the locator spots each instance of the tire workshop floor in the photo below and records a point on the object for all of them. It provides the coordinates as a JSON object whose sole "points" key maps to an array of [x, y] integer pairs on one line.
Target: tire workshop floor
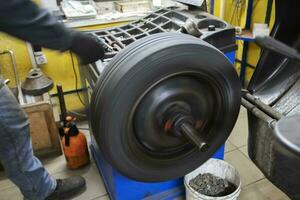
{"points": [[254, 185]]}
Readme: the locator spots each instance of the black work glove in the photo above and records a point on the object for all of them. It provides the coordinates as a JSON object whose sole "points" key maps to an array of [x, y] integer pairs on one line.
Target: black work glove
{"points": [[87, 47]]}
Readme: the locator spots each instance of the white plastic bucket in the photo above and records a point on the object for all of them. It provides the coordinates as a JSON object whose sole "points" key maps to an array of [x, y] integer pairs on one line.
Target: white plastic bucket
{"points": [[220, 169]]}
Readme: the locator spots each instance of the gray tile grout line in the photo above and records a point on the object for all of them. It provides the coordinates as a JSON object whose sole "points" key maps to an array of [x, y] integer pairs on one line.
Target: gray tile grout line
{"points": [[244, 154], [251, 161], [237, 146], [248, 158], [236, 149], [106, 194], [258, 169], [230, 151], [253, 183]]}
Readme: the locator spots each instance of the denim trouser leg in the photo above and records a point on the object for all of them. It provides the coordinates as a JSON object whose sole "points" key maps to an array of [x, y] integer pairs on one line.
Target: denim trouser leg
{"points": [[16, 154]]}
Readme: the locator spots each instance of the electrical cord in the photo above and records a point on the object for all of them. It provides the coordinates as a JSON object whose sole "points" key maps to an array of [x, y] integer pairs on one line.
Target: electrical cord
{"points": [[76, 80]]}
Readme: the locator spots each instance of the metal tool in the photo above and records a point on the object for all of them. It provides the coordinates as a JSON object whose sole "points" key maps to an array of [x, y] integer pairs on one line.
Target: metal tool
{"points": [[274, 45], [259, 109], [7, 81], [62, 104], [191, 28], [36, 83], [16, 75]]}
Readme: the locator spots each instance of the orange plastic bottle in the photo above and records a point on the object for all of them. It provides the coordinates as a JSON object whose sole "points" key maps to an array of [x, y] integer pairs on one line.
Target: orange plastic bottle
{"points": [[75, 146]]}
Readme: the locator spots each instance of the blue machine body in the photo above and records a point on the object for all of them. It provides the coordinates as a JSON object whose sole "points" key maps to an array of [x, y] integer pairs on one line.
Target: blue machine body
{"points": [[120, 187]]}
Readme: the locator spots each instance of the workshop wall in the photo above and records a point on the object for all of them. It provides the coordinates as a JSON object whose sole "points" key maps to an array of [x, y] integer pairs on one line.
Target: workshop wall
{"points": [[235, 13]]}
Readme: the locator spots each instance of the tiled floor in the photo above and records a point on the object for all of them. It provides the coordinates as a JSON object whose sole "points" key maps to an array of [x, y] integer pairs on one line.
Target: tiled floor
{"points": [[57, 167], [254, 185]]}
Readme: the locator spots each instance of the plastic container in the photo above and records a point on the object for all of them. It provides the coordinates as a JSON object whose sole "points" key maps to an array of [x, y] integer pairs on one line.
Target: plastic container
{"points": [[74, 145], [218, 168]]}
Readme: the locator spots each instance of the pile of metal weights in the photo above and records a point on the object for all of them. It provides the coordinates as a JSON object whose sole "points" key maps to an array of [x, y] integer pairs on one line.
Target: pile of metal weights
{"points": [[210, 185]]}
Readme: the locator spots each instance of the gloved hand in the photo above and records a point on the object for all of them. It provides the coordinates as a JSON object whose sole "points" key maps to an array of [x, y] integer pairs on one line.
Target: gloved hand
{"points": [[87, 48]]}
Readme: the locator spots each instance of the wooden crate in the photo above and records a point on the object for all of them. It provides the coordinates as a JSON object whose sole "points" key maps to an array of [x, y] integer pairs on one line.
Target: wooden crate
{"points": [[43, 129]]}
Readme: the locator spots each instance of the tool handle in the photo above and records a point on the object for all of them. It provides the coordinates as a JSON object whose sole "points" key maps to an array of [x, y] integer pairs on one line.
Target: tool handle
{"points": [[274, 45]]}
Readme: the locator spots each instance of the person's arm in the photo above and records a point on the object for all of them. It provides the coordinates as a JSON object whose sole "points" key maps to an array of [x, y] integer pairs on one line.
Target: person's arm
{"points": [[25, 20]]}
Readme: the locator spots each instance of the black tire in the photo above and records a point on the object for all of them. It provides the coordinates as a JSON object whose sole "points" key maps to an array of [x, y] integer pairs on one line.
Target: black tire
{"points": [[142, 65]]}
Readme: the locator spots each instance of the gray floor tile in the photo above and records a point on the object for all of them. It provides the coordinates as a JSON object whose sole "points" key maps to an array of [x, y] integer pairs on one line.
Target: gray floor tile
{"points": [[12, 193], [229, 146], [105, 197], [248, 171], [95, 186], [262, 190], [239, 134], [244, 150], [55, 165], [5, 184], [83, 124], [243, 112]]}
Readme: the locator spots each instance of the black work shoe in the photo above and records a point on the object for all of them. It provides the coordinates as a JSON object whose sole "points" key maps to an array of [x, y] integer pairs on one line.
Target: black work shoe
{"points": [[67, 188]]}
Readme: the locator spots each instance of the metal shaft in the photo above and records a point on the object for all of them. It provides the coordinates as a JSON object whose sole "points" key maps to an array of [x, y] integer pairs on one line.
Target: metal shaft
{"points": [[258, 113], [189, 131], [14, 65], [62, 103], [16, 74], [264, 107]]}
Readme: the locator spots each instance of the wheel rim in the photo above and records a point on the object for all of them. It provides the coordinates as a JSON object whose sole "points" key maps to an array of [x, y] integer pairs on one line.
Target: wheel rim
{"points": [[145, 126]]}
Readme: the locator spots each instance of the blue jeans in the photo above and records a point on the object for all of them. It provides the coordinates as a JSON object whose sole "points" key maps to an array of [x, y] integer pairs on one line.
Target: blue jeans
{"points": [[16, 154]]}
